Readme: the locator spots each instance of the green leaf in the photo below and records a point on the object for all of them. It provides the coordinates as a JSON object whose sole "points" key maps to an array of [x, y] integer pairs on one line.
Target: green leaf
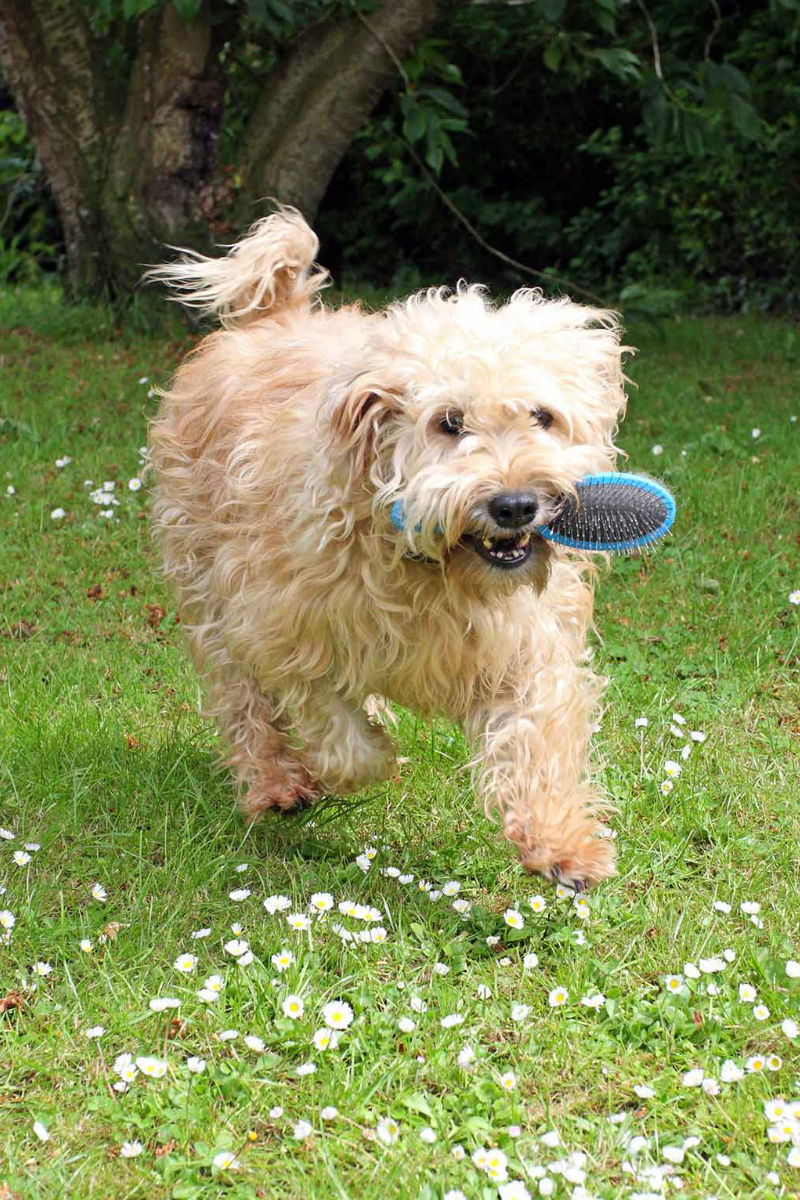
{"points": [[745, 118], [445, 100], [414, 123], [622, 63], [554, 53], [416, 1102], [553, 10], [187, 10]]}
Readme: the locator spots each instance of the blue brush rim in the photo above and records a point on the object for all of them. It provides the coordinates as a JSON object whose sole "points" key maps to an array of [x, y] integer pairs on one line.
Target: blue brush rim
{"points": [[646, 539], [397, 513]]}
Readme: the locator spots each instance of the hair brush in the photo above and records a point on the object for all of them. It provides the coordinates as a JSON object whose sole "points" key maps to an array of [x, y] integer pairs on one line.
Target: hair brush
{"points": [[617, 512]]}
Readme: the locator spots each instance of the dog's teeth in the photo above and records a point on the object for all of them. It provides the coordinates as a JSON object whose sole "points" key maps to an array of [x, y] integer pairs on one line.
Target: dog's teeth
{"points": [[523, 541], [487, 543]]}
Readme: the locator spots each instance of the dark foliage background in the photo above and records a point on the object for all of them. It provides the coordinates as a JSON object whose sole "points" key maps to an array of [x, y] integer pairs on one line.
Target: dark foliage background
{"points": [[549, 127]]}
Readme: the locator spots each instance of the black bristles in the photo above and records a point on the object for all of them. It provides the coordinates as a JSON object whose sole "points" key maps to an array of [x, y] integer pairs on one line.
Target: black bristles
{"points": [[618, 513]]}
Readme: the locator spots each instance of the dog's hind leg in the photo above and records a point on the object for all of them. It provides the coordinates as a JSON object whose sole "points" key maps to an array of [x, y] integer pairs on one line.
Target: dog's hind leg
{"points": [[266, 762]]}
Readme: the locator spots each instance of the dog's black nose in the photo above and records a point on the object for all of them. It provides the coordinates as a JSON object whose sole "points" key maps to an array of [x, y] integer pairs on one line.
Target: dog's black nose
{"points": [[513, 509]]}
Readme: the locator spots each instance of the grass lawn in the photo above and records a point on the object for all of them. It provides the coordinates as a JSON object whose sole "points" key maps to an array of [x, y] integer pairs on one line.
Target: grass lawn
{"points": [[109, 772]]}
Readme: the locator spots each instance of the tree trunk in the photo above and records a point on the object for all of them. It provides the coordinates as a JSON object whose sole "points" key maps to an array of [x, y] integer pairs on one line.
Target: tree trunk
{"points": [[132, 159], [50, 61]]}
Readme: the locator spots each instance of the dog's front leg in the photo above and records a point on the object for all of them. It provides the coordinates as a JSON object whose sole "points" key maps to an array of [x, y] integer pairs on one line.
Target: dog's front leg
{"points": [[531, 764], [342, 747]]}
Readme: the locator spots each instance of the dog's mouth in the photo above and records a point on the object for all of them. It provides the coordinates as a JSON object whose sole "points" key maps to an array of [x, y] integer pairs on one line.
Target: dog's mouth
{"points": [[507, 553]]}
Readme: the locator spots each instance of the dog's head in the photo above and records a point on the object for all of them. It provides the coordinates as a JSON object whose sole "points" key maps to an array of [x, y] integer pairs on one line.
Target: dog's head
{"points": [[477, 420]]}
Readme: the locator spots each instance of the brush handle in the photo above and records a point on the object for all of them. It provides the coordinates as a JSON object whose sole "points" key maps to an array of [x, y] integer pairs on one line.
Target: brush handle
{"points": [[616, 512]]}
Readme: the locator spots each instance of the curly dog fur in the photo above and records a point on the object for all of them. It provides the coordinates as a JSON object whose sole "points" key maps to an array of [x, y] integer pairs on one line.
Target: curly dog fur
{"points": [[278, 453]]}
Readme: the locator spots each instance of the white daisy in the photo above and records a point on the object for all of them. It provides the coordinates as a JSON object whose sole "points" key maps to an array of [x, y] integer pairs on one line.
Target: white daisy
{"points": [[162, 1003], [152, 1068], [337, 1015], [730, 1072], [293, 1007], [298, 921], [226, 1160], [283, 960], [387, 1131]]}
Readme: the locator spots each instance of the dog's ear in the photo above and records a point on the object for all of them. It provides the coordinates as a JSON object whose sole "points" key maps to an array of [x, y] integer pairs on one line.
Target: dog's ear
{"points": [[359, 414]]}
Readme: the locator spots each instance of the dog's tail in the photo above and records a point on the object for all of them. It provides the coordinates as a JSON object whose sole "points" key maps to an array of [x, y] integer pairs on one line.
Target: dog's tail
{"points": [[268, 270]]}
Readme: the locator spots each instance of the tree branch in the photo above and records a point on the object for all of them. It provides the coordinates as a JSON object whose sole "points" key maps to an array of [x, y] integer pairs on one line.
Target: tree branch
{"points": [[317, 98], [511, 262], [714, 30]]}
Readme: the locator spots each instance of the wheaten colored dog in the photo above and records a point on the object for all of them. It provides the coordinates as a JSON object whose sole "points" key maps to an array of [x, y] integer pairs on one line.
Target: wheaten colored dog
{"points": [[278, 454]]}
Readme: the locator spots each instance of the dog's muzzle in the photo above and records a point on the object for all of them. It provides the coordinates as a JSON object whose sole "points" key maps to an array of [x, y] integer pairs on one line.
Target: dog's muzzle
{"points": [[507, 553]]}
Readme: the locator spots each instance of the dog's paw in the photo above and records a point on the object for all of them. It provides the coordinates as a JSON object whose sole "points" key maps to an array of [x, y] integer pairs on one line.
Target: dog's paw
{"points": [[585, 858], [284, 788], [581, 868]]}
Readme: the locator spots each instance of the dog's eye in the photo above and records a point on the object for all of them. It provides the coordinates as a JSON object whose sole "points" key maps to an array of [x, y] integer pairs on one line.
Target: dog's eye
{"points": [[452, 423], [542, 417]]}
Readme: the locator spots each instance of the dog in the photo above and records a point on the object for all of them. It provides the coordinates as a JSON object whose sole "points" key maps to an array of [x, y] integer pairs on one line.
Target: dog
{"points": [[279, 452]]}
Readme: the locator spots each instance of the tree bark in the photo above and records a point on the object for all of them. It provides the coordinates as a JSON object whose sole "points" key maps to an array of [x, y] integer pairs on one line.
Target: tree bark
{"points": [[51, 63], [132, 158], [318, 98]]}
